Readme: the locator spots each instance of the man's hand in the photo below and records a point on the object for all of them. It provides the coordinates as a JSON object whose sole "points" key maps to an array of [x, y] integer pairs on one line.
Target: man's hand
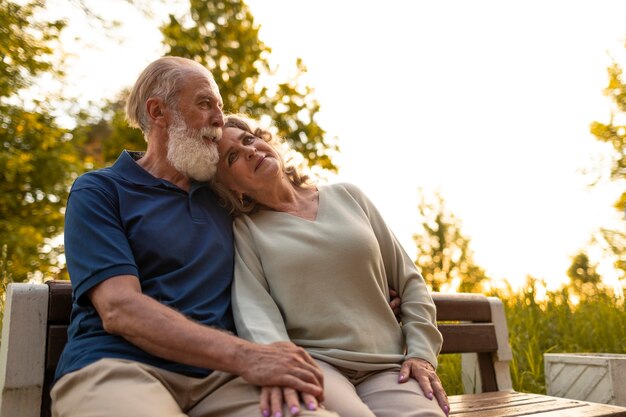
{"points": [[282, 364], [427, 378], [272, 399]]}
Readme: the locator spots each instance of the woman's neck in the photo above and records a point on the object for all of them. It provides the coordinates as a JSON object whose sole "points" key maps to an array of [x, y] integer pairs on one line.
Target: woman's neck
{"points": [[298, 201]]}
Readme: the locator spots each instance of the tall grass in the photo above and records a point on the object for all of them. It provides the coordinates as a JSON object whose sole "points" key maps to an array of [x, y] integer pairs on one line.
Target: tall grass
{"points": [[596, 323]]}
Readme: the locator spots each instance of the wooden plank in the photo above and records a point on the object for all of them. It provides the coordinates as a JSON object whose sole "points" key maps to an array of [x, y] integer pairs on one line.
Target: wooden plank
{"points": [[60, 305], [505, 404], [485, 401], [57, 338], [468, 337], [492, 396], [589, 410], [487, 373], [462, 307]]}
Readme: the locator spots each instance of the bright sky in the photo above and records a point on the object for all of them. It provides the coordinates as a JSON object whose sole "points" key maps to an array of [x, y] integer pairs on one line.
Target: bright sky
{"points": [[488, 102]]}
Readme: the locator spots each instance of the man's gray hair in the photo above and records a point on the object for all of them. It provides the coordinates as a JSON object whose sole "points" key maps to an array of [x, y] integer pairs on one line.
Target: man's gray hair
{"points": [[162, 78]]}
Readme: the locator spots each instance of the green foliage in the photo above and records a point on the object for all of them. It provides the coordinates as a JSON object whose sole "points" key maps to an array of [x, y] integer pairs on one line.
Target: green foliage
{"points": [[595, 324], [553, 323], [584, 279], [25, 45], [614, 133], [36, 166], [444, 256], [36, 160], [99, 142], [449, 372], [222, 35]]}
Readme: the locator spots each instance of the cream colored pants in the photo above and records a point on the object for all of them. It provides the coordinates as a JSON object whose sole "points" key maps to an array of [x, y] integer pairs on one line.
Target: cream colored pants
{"points": [[119, 388], [375, 394]]}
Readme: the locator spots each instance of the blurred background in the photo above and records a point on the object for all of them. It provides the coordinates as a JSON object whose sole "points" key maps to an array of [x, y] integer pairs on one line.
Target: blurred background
{"points": [[490, 134]]}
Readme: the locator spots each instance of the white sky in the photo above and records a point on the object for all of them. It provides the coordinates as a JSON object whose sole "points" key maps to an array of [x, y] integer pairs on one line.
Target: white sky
{"points": [[489, 102]]}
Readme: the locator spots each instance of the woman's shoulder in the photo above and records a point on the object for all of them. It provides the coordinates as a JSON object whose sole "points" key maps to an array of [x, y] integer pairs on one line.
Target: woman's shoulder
{"points": [[347, 190], [345, 187]]}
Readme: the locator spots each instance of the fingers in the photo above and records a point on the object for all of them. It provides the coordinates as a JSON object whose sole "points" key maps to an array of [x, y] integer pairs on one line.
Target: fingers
{"points": [[282, 364], [440, 395], [276, 401], [292, 400], [302, 372], [274, 398], [405, 372], [304, 387], [395, 301], [264, 401], [310, 402], [425, 375]]}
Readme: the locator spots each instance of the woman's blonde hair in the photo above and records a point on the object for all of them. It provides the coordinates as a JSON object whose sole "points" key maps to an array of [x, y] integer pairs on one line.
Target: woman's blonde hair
{"points": [[246, 205]]}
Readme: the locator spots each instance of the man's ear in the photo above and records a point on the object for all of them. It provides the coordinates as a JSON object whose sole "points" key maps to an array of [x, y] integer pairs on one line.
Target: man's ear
{"points": [[156, 111]]}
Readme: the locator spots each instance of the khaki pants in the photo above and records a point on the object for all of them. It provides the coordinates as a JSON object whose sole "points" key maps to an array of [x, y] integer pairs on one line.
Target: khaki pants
{"points": [[375, 394], [120, 388]]}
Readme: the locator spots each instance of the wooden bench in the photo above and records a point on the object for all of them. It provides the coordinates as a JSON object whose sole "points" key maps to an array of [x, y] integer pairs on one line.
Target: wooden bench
{"points": [[37, 315]]}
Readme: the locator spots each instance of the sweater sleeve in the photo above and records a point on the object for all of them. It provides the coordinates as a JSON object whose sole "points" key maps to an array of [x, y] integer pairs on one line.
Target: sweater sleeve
{"points": [[418, 312], [257, 317]]}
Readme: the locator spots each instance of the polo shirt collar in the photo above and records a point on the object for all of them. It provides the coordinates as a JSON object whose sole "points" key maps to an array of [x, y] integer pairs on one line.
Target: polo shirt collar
{"points": [[127, 166]]}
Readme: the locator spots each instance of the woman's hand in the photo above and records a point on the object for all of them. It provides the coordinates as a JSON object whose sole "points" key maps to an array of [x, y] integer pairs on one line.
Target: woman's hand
{"points": [[425, 375], [395, 302], [273, 398]]}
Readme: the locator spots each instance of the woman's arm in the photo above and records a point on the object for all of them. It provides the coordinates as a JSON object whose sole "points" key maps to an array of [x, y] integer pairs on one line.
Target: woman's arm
{"points": [[418, 312], [258, 318]]}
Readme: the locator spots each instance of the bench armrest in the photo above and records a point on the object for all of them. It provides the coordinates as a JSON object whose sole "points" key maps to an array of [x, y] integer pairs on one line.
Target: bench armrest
{"points": [[22, 349]]}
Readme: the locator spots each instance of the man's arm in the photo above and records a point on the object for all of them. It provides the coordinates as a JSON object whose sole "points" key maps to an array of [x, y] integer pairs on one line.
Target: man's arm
{"points": [[166, 333]]}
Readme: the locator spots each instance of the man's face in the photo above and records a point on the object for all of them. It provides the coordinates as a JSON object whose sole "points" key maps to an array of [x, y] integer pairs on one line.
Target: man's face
{"points": [[199, 102], [190, 151], [195, 127]]}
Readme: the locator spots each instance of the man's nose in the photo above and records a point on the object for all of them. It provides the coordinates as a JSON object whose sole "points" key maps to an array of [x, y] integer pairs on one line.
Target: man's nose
{"points": [[217, 119]]}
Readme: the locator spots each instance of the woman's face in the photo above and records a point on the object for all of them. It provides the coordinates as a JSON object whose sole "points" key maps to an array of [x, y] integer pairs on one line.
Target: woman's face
{"points": [[247, 163]]}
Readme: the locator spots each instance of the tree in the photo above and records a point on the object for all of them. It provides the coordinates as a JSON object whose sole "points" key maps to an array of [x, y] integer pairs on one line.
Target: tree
{"points": [[36, 159], [25, 45], [99, 140], [443, 252], [222, 35], [614, 133], [584, 279]]}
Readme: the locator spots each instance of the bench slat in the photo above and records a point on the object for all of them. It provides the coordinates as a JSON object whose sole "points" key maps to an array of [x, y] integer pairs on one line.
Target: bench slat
{"points": [[462, 307], [60, 305], [510, 403], [468, 338], [57, 338]]}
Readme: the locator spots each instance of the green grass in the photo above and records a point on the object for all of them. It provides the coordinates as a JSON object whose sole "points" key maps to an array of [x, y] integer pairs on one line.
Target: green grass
{"points": [[596, 323]]}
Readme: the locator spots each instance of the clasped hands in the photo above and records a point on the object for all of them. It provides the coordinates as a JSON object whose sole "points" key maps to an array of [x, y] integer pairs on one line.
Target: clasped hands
{"points": [[289, 376]]}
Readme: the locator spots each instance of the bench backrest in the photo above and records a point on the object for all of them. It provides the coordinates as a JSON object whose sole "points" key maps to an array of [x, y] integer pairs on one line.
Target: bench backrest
{"points": [[470, 324]]}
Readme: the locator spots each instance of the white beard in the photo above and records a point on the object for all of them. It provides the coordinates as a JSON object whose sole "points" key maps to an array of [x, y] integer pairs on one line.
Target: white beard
{"points": [[189, 152]]}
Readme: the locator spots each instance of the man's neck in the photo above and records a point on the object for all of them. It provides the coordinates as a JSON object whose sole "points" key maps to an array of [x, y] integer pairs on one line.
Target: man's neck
{"points": [[156, 163]]}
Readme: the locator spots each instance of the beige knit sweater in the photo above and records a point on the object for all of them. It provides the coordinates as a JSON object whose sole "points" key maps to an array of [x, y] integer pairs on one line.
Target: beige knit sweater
{"points": [[323, 284]]}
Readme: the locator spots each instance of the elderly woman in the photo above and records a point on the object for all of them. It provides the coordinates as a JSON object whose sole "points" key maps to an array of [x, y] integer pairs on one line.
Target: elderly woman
{"points": [[314, 265]]}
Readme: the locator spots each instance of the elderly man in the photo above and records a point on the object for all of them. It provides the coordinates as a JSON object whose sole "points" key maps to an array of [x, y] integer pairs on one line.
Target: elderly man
{"points": [[150, 256]]}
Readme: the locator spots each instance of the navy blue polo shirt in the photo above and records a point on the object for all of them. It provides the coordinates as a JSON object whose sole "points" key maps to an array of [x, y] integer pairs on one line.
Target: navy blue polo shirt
{"points": [[123, 221]]}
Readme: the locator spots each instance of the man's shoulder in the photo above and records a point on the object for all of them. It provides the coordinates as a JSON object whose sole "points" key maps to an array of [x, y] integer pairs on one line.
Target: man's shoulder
{"points": [[100, 178]]}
